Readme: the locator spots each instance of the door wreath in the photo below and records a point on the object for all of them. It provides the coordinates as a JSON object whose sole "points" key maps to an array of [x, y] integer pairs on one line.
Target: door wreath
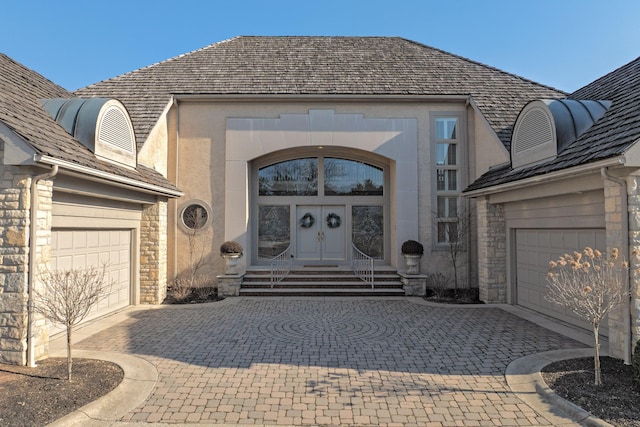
{"points": [[333, 220], [307, 220]]}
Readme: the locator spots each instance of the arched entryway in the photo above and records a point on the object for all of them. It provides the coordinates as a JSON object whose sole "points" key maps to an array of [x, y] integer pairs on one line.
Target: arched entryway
{"points": [[387, 143], [320, 202]]}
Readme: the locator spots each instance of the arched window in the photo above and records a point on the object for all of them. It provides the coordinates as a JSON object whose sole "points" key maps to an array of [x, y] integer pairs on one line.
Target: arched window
{"points": [[344, 177], [301, 177]]}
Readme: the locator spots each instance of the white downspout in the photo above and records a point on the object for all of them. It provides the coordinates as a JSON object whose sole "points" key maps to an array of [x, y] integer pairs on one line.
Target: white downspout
{"points": [[625, 252], [33, 225]]}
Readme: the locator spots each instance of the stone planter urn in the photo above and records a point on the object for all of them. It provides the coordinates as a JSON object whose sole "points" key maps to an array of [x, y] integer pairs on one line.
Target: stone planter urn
{"points": [[231, 252], [231, 263], [413, 263], [412, 252]]}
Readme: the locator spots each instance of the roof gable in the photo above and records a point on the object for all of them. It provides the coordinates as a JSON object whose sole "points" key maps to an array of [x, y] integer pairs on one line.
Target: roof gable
{"points": [[21, 111], [379, 66], [612, 135]]}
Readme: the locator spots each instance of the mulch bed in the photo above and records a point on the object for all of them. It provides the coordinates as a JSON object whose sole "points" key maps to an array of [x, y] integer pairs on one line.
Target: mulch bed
{"points": [[192, 295], [616, 401], [41, 395], [454, 296]]}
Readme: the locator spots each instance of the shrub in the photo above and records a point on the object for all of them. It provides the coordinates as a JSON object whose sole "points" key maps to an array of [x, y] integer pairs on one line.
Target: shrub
{"points": [[589, 283], [191, 289], [231, 247], [635, 363], [180, 289], [438, 284], [411, 247]]}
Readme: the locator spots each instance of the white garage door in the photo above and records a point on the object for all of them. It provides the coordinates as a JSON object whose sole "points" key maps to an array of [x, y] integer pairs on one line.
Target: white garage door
{"points": [[91, 248], [534, 249]]}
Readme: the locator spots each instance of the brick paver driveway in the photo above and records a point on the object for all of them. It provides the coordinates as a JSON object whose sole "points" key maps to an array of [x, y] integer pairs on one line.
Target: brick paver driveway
{"points": [[335, 361]]}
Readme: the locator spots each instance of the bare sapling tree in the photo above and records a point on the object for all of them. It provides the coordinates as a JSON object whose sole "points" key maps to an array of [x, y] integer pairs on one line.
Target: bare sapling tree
{"points": [[591, 285], [456, 239], [195, 218], [67, 296]]}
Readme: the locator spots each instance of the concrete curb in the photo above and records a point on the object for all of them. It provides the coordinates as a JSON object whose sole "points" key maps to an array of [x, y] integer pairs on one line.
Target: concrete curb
{"points": [[139, 380], [525, 380]]}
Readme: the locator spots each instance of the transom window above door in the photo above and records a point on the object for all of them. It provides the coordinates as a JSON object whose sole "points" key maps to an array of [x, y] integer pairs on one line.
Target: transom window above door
{"points": [[320, 176]]}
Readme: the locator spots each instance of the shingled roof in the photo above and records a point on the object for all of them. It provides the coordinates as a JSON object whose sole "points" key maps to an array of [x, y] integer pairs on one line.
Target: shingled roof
{"points": [[609, 137], [21, 92], [320, 66]]}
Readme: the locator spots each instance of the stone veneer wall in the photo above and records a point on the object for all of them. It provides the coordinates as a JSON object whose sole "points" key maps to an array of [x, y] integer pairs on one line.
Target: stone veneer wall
{"points": [[44, 219], [15, 205], [492, 252], [612, 204], [153, 254]]}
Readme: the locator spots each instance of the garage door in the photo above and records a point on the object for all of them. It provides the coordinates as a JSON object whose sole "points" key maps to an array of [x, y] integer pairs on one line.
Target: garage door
{"points": [[91, 248], [534, 249]]}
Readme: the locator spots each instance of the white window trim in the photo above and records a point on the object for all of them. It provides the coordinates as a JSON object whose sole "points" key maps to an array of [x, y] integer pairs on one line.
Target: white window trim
{"points": [[461, 161]]}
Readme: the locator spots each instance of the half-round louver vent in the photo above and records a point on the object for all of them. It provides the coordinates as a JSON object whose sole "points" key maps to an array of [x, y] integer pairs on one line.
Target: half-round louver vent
{"points": [[535, 129], [115, 129], [100, 124], [547, 127], [533, 136], [115, 139]]}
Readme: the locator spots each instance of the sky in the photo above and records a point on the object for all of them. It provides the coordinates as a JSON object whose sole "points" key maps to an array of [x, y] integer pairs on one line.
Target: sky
{"points": [[564, 44]]}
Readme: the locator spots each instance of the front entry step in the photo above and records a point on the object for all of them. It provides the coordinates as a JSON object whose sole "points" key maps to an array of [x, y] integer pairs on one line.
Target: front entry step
{"points": [[321, 281]]}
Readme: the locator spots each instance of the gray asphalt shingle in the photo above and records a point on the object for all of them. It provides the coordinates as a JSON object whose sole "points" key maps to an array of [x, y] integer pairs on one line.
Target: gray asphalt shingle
{"points": [[610, 136], [320, 66], [21, 91]]}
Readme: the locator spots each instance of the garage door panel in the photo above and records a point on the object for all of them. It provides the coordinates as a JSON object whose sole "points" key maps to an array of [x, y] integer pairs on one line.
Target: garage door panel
{"points": [[73, 249], [534, 249], [104, 239], [93, 241]]}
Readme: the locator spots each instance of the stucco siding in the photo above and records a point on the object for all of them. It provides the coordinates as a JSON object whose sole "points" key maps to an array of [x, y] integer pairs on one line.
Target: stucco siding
{"points": [[213, 167], [154, 153]]}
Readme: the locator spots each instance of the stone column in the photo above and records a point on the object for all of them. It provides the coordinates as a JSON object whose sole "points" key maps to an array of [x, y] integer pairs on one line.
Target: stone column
{"points": [[492, 252], [229, 285], [153, 253], [14, 261], [44, 219], [15, 232], [615, 239], [414, 285]]}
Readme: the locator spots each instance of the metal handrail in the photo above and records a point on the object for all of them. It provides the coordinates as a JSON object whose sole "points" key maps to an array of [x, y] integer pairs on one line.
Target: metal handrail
{"points": [[281, 266], [362, 265]]}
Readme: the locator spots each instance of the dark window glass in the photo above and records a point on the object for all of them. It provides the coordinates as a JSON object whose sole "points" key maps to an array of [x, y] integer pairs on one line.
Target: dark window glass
{"points": [[368, 230], [297, 177], [273, 230], [195, 216], [446, 128], [351, 178]]}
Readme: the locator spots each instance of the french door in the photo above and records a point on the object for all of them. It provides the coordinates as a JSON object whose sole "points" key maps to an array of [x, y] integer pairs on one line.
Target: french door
{"points": [[320, 233]]}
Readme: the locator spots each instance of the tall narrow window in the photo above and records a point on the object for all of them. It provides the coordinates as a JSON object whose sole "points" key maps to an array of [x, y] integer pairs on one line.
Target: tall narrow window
{"points": [[274, 230], [447, 166]]}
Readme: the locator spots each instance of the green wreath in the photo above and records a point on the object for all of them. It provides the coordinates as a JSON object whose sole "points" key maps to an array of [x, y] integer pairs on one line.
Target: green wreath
{"points": [[333, 220], [307, 220]]}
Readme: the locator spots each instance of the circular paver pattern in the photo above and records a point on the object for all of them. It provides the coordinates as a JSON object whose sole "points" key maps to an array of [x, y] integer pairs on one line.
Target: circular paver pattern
{"points": [[330, 361], [314, 327]]}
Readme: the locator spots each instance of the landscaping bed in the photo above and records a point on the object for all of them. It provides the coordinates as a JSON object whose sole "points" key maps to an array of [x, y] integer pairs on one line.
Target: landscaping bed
{"points": [[616, 401], [40, 395], [454, 296]]}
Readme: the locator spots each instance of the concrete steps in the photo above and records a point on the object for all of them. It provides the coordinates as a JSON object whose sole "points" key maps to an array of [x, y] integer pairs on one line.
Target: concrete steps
{"points": [[321, 281]]}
